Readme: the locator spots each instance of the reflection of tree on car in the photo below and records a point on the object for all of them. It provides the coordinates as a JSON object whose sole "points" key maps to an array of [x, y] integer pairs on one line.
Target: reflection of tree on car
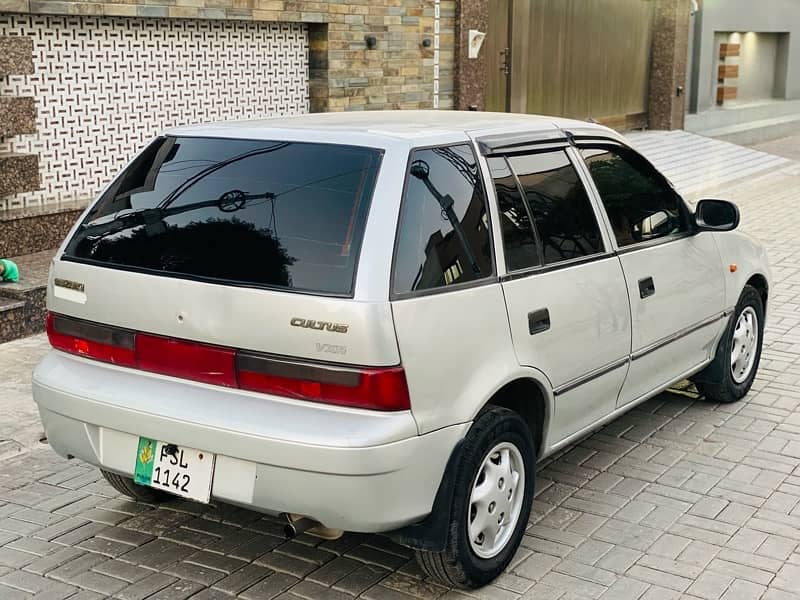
{"points": [[215, 248], [151, 238], [557, 215]]}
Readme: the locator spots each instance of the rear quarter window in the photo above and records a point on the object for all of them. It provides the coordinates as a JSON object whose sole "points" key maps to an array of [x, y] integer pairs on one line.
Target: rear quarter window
{"points": [[266, 213], [443, 236]]}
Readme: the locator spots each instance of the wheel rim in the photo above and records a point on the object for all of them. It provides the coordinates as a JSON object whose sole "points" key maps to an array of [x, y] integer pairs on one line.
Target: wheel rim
{"points": [[496, 500], [744, 345]]}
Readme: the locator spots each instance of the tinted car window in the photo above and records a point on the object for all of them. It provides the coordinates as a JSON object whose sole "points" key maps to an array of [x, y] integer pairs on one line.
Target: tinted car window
{"points": [[519, 241], [640, 203], [277, 214], [443, 238], [562, 212]]}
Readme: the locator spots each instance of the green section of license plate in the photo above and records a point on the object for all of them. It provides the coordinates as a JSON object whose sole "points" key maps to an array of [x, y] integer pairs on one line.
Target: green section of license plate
{"points": [[145, 459]]}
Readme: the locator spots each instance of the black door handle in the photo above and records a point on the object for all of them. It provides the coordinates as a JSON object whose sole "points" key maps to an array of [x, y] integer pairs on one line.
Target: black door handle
{"points": [[646, 287], [538, 321]]}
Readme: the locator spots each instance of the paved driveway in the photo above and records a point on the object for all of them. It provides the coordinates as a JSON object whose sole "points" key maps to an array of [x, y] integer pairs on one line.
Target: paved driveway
{"points": [[678, 498]]}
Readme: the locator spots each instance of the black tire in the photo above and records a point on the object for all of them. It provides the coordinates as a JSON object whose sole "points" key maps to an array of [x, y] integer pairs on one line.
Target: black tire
{"points": [[458, 564], [126, 486], [716, 381]]}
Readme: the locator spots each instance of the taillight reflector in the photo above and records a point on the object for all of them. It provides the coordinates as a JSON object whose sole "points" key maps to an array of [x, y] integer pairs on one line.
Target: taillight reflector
{"points": [[371, 388]]}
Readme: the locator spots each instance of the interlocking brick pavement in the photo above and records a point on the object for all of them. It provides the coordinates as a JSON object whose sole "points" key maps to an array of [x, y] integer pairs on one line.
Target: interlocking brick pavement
{"points": [[20, 428], [679, 498]]}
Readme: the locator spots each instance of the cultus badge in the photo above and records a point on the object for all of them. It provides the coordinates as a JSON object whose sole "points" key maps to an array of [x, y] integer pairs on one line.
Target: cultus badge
{"points": [[318, 325]]}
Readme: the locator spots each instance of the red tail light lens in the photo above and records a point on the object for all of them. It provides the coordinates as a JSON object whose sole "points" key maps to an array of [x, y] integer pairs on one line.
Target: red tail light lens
{"points": [[376, 389], [91, 340], [371, 388], [189, 360]]}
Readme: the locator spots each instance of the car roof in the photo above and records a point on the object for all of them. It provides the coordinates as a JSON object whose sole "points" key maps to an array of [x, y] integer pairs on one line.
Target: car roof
{"points": [[384, 128]]}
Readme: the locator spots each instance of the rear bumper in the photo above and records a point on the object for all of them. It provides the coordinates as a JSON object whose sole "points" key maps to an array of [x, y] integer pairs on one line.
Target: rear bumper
{"points": [[350, 469]]}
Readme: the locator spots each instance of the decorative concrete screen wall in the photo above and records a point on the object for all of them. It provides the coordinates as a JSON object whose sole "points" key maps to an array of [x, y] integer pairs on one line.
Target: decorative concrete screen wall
{"points": [[105, 85]]}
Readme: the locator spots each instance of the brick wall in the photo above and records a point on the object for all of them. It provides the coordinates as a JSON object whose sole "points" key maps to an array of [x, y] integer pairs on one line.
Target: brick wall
{"points": [[345, 75]]}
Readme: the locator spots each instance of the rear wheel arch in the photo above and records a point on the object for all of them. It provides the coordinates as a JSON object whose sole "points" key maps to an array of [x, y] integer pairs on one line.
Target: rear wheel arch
{"points": [[489, 504], [528, 398], [525, 395]]}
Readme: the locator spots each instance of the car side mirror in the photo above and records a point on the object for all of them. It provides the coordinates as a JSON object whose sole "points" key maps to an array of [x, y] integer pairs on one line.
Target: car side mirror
{"points": [[716, 215]]}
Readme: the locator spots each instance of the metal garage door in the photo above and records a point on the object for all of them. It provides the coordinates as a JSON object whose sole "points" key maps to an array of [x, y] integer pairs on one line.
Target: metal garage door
{"points": [[106, 85], [574, 58]]}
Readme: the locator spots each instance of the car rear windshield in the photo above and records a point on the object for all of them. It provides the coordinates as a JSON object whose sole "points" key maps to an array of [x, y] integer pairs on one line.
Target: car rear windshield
{"points": [[263, 213]]}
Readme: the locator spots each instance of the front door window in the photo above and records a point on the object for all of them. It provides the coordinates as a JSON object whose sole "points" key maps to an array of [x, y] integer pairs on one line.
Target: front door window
{"points": [[640, 203]]}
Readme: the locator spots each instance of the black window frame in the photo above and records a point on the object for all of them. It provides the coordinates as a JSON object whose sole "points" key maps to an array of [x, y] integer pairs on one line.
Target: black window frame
{"points": [[488, 279], [683, 208], [526, 205], [551, 145], [380, 153]]}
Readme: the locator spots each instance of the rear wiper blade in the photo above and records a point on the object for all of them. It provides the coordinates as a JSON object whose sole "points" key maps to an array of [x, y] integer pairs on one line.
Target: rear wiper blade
{"points": [[230, 201]]}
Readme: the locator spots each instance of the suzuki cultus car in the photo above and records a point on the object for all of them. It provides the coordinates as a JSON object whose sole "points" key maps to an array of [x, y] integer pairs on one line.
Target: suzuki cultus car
{"points": [[380, 322]]}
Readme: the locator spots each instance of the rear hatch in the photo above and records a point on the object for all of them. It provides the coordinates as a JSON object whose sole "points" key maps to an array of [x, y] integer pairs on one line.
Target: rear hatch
{"points": [[243, 245]]}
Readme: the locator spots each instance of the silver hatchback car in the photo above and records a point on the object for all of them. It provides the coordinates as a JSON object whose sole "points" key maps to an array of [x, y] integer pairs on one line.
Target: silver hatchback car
{"points": [[379, 322]]}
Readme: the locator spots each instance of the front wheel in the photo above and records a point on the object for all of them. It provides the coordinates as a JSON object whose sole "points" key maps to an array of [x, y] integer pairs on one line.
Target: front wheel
{"points": [[729, 376], [491, 501]]}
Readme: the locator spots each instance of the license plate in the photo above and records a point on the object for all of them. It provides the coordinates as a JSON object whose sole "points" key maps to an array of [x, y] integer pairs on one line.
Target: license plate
{"points": [[182, 471]]}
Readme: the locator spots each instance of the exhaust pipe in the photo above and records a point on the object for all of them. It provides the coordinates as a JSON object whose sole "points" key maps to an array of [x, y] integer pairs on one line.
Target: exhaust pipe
{"points": [[297, 524]]}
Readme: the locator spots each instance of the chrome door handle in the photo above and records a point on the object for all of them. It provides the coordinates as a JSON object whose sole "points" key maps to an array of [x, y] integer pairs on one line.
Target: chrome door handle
{"points": [[538, 321], [647, 287]]}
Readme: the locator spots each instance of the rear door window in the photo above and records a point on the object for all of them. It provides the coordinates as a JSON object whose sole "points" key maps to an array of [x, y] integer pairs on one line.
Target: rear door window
{"points": [[443, 237], [266, 213], [546, 214], [519, 240]]}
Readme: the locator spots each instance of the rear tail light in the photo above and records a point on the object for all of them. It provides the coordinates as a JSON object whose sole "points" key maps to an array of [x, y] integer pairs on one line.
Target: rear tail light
{"points": [[91, 340], [372, 388]]}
